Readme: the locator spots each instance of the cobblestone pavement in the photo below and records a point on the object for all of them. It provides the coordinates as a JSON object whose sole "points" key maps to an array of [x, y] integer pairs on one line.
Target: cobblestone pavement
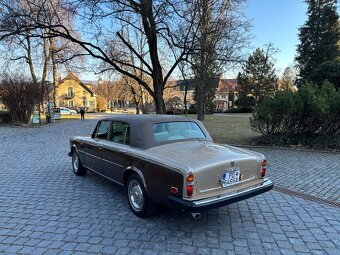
{"points": [[46, 209], [314, 173]]}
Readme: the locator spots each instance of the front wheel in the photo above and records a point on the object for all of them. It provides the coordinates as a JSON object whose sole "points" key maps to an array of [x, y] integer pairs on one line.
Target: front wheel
{"points": [[139, 202], [77, 166]]}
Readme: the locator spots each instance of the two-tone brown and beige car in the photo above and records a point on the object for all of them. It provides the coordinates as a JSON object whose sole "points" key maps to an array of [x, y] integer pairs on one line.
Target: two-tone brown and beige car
{"points": [[170, 161]]}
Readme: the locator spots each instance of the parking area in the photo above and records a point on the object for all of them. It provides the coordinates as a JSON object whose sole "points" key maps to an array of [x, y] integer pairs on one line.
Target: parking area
{"points": [[46, 209]]}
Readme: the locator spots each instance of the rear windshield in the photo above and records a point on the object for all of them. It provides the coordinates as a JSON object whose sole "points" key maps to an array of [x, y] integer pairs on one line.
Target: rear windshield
{"points": [[180, 130]]}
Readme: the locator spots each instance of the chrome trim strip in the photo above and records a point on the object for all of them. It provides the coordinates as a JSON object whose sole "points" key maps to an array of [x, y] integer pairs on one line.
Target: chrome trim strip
{"points": [[92, 155], [233, 194], [112, 163]]}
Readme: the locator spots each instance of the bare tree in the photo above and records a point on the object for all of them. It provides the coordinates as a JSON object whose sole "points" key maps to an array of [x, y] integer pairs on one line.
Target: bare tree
{"points": [[165, 24], [34, 46], [223, 34], [185, 70]]}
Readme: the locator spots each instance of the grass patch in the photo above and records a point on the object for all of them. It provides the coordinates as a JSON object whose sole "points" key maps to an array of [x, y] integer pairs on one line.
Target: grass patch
{"points": [[236, 129], [70, 117], [230, 128]]}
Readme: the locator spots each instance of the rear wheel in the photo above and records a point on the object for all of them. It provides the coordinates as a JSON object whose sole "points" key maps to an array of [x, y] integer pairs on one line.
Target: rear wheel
{"points": [[77, 166], [139, 202]]}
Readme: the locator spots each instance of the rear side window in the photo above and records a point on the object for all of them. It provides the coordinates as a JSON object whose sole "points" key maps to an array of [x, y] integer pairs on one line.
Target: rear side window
{"points": [[103, 130], [179, 130], [120, 132]]}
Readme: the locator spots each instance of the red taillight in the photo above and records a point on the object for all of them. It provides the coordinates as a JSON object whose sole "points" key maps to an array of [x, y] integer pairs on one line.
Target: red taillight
{"points": [[173, 189], [190, 184], [264, 168], [190, 190]]}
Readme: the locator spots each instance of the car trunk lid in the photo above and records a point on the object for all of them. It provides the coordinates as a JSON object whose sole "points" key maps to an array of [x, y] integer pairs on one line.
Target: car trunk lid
{"points": [[210, 162]]}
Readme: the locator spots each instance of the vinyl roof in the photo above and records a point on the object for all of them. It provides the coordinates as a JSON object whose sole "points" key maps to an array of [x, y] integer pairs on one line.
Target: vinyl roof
{"points": [[148, 118]]}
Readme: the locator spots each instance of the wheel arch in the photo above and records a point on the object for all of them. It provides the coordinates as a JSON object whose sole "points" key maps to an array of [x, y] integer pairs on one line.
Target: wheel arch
{"points": [[133, 170]]}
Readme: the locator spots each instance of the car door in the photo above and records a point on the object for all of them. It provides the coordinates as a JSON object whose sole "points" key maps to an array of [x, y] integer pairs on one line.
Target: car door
{"points": [[114, 155], [94, 148]]}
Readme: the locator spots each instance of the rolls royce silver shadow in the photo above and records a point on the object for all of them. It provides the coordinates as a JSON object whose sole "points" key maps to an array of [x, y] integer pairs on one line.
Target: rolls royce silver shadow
{"points": [[170, 161]]}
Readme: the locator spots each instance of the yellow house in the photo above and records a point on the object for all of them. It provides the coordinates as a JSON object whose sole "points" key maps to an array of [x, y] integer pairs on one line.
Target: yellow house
{"points": [[74, 94]]}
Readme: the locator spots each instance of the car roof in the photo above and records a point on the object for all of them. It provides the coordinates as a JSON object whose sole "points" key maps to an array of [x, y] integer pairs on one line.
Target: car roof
{"points": [[148, 118], [141, 126]]}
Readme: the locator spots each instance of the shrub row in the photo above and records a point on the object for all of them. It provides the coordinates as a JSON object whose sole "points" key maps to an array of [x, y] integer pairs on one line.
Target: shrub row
{"points": [[310, 113]]}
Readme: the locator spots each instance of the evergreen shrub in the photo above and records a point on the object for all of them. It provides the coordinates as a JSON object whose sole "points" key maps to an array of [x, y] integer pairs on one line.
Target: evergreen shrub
{"points": [[312, 113]]}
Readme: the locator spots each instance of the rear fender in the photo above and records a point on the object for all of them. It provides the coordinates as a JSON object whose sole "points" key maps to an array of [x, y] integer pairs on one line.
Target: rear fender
{"points": [[133, 170]]}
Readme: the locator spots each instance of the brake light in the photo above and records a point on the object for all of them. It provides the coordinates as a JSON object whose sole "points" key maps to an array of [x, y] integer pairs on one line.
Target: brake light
{"points": [[190, 184], [264, 168], [190, 190]]}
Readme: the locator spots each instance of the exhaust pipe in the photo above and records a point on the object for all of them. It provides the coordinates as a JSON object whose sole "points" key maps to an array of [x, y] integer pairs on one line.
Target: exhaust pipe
{"points": [[196, 216]]}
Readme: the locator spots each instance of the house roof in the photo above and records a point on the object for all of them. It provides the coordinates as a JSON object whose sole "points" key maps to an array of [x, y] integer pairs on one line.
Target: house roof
{"points": [[72, 76], [227, 85], [224, 85]]}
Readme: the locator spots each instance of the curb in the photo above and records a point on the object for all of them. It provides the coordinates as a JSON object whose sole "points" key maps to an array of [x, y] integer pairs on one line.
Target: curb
{"points": [[286, 148]]}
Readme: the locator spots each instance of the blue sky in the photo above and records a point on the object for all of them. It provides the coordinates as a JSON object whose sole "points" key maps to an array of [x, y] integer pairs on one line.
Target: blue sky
{"points": [[277, 21]]}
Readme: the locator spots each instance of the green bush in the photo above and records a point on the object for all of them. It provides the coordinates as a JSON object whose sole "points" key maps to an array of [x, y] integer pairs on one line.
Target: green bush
{"points": [[310, 113]]}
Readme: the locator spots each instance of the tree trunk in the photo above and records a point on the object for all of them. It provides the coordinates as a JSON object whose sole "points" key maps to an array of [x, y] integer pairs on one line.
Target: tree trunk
{"points": [[159, 104], [185, 97], [54, 71], [200, 87], [29, 57], [200, 99], [137, 108], [159, 100], [149, 25]]}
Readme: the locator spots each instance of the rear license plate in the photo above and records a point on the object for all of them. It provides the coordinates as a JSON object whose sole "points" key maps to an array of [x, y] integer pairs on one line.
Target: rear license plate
{"points": [[230, 177]]}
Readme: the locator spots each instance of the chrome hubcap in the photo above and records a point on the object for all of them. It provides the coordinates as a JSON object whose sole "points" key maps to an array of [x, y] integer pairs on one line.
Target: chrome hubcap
{"points": [[75, 162], [135, 194]]}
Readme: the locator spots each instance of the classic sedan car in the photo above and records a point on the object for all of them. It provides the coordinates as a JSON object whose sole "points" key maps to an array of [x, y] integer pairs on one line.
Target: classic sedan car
{"points": [[170, 161]]}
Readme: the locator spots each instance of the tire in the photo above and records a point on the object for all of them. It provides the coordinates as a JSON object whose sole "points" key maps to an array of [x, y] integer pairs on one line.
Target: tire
{"points": [[138, 200], [77, 166]]}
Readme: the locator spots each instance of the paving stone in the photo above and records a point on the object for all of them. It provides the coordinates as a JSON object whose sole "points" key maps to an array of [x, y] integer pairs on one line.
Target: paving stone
{"points": [[46, 209]]}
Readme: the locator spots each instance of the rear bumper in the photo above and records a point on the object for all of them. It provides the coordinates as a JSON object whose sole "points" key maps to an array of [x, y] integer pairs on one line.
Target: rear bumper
{"points": [[222, 200]]}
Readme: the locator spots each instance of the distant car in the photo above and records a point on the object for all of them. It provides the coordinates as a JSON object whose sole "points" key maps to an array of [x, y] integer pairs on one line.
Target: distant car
{"points": [[170, 161], [67, 111]]}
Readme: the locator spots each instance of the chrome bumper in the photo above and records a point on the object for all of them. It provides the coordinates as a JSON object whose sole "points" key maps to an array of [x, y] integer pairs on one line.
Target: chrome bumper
{"points": [[221, 200]]}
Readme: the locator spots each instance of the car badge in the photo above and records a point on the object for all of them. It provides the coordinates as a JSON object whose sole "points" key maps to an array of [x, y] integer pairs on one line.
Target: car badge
{"points": [[232, 164]]}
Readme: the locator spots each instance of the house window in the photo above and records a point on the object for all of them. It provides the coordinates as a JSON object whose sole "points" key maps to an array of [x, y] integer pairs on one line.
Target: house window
{"points": [[91, 103], [70, 92], [70, 103]]}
